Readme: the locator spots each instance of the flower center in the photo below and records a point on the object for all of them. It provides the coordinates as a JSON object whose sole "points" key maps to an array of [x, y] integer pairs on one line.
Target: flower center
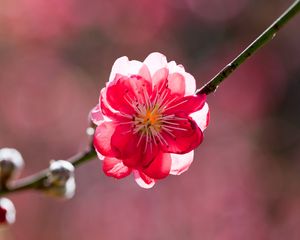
{"points": [[151, 117], [150, 121]]}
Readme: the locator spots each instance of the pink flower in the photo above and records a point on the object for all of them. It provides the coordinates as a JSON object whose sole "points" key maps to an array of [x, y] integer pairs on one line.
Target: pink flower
{"points": [[148, 120]]}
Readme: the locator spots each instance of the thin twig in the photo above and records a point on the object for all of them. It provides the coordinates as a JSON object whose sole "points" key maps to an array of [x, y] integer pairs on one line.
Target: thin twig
{"points": [[36, 181], [265, 37]]}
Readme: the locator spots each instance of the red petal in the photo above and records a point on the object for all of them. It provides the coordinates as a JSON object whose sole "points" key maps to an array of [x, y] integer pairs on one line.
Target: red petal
{"points": [[160, 166], [124, 67], [176, 83], [155, 61], [107, 110], [143, 180], [188, 104], [160, 84], [116, 93], [100, 156], [181, 162], [125, 145], [160, 77], [114, 167], [145, 73], [132, 149], [190, 83], [187, 137], [124, 90], [201, 117], [120, 67], [134, 67], [96, 115], [102, 138]]}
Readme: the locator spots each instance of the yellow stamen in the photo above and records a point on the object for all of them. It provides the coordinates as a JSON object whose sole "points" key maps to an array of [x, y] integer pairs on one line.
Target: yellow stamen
{"points": [[151, 117]]}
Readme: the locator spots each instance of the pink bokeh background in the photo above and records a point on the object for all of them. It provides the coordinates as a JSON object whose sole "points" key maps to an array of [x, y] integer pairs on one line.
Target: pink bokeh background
{"points": [[244, 183]]}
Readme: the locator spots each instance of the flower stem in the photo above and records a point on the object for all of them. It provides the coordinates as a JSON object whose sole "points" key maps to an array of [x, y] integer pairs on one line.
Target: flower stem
{"points": [[37, 180], [265, 37]]}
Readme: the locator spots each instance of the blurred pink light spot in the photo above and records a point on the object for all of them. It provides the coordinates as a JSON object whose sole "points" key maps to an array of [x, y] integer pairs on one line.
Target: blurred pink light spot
{"points": [[216, 10]]}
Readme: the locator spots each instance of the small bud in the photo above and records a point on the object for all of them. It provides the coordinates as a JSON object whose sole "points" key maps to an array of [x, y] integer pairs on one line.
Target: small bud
{"points": [[7, 211], [60, 181], [11, 163], [90, 131]]}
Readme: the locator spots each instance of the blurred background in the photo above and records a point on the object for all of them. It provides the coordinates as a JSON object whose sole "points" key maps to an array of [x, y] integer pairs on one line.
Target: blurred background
{"points": [[244, 183]]}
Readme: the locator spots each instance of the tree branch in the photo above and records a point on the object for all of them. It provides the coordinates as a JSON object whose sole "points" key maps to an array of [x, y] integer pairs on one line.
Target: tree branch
{"points": [[36, 181], [265, 37]]}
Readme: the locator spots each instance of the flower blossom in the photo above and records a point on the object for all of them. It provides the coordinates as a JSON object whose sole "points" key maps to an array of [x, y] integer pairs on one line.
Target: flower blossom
{"points": [[149, 120], [7, 211], [60, 180], [11, 164]]}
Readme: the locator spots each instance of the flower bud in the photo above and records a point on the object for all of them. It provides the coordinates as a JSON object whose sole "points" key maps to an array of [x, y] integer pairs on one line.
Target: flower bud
{"points": [[11, 163], [90, 131], [60, 180], [7, 211]]}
